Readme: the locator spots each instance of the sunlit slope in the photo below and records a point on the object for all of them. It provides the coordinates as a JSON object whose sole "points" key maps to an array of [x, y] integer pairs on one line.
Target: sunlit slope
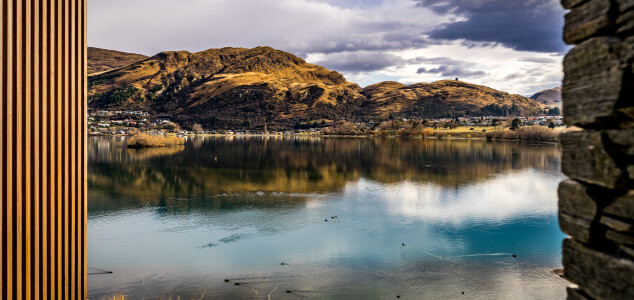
{"points": [[445, 98], [228, 87], [103, 60], [240, 88]]}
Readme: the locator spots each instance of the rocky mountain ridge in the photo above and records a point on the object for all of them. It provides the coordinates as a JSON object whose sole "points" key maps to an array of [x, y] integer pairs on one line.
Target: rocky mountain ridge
{"points": [[247, 88]]}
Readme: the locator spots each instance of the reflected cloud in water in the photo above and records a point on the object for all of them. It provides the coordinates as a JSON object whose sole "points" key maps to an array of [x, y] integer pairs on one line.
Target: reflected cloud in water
{"points": [[506, 196]]}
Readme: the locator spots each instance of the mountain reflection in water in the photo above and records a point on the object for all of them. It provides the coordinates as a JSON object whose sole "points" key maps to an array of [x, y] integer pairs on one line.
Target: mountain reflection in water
{"points": [[177, 221]]}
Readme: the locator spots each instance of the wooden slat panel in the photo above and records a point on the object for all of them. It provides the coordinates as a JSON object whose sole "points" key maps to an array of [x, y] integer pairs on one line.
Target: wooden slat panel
{"points": [[3, 19], [42, 150], [7, 137]]}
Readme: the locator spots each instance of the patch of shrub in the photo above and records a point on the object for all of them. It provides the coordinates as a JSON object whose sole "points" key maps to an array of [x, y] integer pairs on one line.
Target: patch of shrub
{"points": [[529, 134], [146, 140]]}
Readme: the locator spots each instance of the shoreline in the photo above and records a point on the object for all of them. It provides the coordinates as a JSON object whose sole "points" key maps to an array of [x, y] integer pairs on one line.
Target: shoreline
{"points": [[444, 137]]}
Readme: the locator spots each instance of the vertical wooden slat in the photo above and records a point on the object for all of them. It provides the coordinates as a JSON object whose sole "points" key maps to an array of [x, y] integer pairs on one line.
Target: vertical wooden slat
{"points": [[58, 151], [17, 147], [54, 175], [34, 286], [7, 136], [84, 144], [3, 96], [27, 159], [44, 144], [72, 165], [66, 95]]}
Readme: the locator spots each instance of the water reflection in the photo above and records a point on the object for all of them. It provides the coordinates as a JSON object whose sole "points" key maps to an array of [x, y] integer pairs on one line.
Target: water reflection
{"points": [[178, 222], [216, 166]]}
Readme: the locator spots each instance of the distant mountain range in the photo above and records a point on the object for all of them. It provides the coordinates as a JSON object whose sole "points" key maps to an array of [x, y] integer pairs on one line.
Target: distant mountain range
{"points": [[102, 60], [246, 88], [549, 96]]}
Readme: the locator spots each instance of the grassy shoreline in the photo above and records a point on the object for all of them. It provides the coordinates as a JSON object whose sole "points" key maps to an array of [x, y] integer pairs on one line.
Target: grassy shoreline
{"points": [[146, 140], [534, 134]]}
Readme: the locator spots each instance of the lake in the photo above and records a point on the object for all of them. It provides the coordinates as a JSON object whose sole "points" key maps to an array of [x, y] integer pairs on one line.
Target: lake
{"points": [[324, 218]]}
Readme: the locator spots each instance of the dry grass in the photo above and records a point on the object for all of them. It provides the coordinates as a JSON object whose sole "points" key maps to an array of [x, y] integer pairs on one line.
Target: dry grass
{"points": [[114, 297], [146, 140], [529, 134]]}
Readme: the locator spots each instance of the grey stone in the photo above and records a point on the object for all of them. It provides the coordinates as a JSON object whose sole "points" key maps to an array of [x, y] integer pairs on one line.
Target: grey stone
{"points": [[624, 5], [585, 159], [578, 228], [568, 4], [593, 81], [575, 293], [630, 171], [627, 250], [617, 225], [575, 201], [624, 138], [622, 206], [620, 238], [587, 20], [600, 275], [625, 22]]}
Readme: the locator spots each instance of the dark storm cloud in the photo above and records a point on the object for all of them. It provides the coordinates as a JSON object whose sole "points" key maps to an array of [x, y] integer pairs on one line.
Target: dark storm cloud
{"points": [[531, 25], [360, 61], [448, 67], [451, 71]]}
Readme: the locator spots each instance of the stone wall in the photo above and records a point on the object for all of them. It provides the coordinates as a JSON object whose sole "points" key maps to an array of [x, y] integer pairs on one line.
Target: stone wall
{"points": [[596, 205]]}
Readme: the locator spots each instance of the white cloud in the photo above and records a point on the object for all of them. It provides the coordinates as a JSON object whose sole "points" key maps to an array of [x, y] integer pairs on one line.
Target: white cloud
{"points": [[520, 72], [363, 39]]}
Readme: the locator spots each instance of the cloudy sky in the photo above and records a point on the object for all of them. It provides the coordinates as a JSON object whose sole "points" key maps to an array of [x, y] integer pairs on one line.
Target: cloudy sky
{"points": [[511, 45]]}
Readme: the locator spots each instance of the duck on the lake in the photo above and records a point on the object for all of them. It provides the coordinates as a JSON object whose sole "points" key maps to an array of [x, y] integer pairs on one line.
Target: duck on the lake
{"points": [[514, 255], [226, 280], [403, 244]]}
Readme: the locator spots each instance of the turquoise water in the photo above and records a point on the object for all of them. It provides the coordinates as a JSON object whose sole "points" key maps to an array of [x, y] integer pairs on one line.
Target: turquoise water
{"points": [[348, 217]]}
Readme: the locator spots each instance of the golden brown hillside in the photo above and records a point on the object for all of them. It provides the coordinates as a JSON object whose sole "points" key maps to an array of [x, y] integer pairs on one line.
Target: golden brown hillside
{"points": [[445, 98], [238, 88], [102, 60], [228, 88], [549, 96]]}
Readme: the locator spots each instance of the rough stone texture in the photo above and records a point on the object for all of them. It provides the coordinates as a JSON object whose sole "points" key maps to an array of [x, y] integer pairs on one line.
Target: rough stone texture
{"points": [[623, 138], [587, 20], [599, 275], [625, 22], [621, 238], [593, 81], [585, 159], [575, 293], [624, 5], [617, 225], [622, 206], [598, 96], [575, 201], [568, 4], [578, 228], [627, 250]]}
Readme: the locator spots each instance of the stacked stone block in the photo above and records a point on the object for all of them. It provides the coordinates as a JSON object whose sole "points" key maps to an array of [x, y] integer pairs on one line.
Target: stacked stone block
{"points": [[596, 205]]}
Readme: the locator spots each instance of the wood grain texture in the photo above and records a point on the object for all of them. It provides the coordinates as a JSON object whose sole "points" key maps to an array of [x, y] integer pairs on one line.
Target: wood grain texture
{"points": [[43, 149]]}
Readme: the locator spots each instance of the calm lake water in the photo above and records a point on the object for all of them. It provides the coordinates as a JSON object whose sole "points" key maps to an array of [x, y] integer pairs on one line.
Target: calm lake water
{"points": [[336, 211]]}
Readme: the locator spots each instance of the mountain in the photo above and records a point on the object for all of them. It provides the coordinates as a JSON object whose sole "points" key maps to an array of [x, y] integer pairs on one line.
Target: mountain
{"points": [[549, 96], [445, 98], [101, 60], [247, 88], [228, 88]]}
